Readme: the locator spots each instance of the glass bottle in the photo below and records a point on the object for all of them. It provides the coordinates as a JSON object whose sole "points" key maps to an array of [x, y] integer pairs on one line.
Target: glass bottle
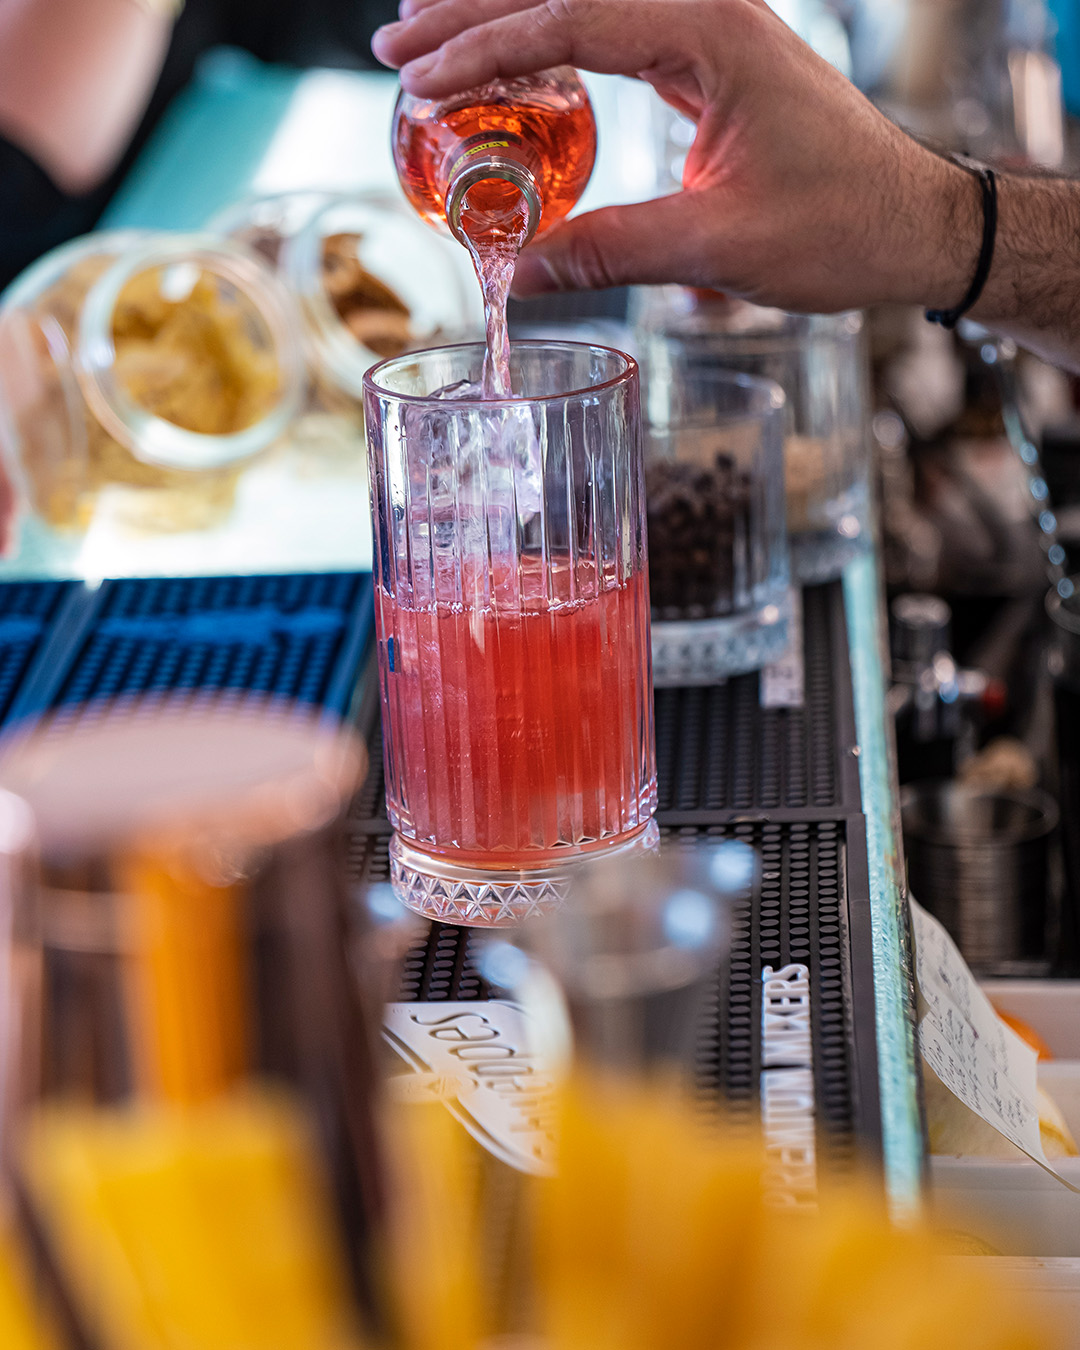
{"points": [[505, 159]]}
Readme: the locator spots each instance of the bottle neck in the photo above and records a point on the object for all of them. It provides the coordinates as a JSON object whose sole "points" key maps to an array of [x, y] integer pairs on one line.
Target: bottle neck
{"points": [[483, 168]]}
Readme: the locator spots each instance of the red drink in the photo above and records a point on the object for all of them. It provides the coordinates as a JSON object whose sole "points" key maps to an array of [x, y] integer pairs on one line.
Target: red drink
{"points": [[479, 158], [512, 614], [511, 735]]}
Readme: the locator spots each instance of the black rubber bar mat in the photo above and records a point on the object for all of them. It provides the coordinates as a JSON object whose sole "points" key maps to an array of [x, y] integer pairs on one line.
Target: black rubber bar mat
{"points": [[719, 753], [786, 781]]}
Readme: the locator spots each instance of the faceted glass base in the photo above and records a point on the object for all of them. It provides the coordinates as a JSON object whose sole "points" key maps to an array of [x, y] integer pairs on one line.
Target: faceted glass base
{"points": [[702, 651], [494, 897]]}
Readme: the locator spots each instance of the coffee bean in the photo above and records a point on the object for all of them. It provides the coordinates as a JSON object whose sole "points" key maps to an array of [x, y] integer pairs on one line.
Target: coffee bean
{"points": [[695, 514]]}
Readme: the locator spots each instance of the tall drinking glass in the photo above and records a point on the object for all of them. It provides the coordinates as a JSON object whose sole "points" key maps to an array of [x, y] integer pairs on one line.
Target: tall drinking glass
{"points": [[512, 615]]}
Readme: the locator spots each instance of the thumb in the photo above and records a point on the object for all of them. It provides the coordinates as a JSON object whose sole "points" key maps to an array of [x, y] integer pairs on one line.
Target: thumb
{"points": [[670, 239]]}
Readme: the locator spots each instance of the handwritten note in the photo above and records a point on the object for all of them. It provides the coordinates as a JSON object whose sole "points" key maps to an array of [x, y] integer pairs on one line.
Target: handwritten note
{"points": [[977, 1057]]}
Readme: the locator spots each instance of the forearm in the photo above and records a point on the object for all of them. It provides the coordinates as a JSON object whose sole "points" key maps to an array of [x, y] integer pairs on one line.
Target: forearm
{"points": [[75, 77], [1032, 292]]}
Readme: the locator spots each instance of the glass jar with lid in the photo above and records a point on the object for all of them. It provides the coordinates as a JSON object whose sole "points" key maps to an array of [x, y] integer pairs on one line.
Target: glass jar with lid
{"points": [[143, 377]]}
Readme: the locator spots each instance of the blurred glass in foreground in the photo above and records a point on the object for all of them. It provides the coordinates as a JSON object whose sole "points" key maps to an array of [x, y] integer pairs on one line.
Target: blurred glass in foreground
{"points": [[191, 1135], [190, 1141]]}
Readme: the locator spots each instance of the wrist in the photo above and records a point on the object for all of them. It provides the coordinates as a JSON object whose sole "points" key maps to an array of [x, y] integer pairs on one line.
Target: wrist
{"points": [[1032, 291], [1037, 265], [988, 197], [946, 214]]}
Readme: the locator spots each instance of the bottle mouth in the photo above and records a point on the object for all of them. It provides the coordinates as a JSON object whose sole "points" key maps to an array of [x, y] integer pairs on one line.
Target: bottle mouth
{"points": [[151, 438], [498, 167]]}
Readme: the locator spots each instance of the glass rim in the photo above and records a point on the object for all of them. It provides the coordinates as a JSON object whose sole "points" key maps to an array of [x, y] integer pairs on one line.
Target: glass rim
{"points": [[243, 212], [773, 329], [756, 342], [43, 272], [914, 797], [624, 376]]}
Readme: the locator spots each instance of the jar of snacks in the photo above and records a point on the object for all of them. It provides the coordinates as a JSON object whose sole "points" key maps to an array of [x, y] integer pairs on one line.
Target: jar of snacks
{"points": [[143, 376], [373, 281], [819, 362]]}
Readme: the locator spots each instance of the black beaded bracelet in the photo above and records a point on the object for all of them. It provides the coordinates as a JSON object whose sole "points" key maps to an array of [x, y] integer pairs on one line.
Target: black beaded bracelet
{"points": [[949, 318]]}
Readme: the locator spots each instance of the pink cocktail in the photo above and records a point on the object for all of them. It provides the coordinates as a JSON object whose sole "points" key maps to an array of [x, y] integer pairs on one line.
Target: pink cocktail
{"points": [[512, 616]]}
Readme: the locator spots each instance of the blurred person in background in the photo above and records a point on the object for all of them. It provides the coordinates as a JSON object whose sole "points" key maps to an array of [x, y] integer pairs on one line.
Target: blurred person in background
{"points": [[84, 82]]}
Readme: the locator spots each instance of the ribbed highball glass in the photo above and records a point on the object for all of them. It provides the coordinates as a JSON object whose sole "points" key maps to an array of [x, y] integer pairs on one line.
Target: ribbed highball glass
{"points": [[512, 616]]}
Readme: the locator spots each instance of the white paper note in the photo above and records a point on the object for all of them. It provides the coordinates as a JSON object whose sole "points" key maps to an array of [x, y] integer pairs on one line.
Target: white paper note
{"points": [[477, 1058], [978, 1058], [782, 683]]}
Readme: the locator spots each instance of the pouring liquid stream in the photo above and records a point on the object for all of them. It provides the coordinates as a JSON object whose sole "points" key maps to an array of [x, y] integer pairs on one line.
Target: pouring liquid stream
{"points": [[494, 242]]}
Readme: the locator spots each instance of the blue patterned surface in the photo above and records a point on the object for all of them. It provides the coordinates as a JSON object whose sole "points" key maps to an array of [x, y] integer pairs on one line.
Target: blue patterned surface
{"points": [[281, 636], [304, 638], [28, 611]]}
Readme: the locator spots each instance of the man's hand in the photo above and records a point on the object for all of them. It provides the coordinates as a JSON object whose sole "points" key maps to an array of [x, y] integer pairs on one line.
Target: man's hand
{"points": [[797, 191]]}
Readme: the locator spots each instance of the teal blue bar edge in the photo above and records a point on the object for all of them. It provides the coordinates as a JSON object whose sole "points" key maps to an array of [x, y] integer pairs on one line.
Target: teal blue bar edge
{"points": [[208, 145], [893, 982]]}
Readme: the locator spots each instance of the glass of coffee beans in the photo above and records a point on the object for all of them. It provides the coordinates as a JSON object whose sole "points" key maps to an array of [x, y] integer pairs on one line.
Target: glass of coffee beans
{"points": [[820, 362], [714, 480]]}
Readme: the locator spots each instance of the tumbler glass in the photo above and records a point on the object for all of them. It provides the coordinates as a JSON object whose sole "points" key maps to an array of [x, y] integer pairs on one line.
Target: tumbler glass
{"points": [[819, 361], [512, 615], [718, 558], [634, 957]]}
